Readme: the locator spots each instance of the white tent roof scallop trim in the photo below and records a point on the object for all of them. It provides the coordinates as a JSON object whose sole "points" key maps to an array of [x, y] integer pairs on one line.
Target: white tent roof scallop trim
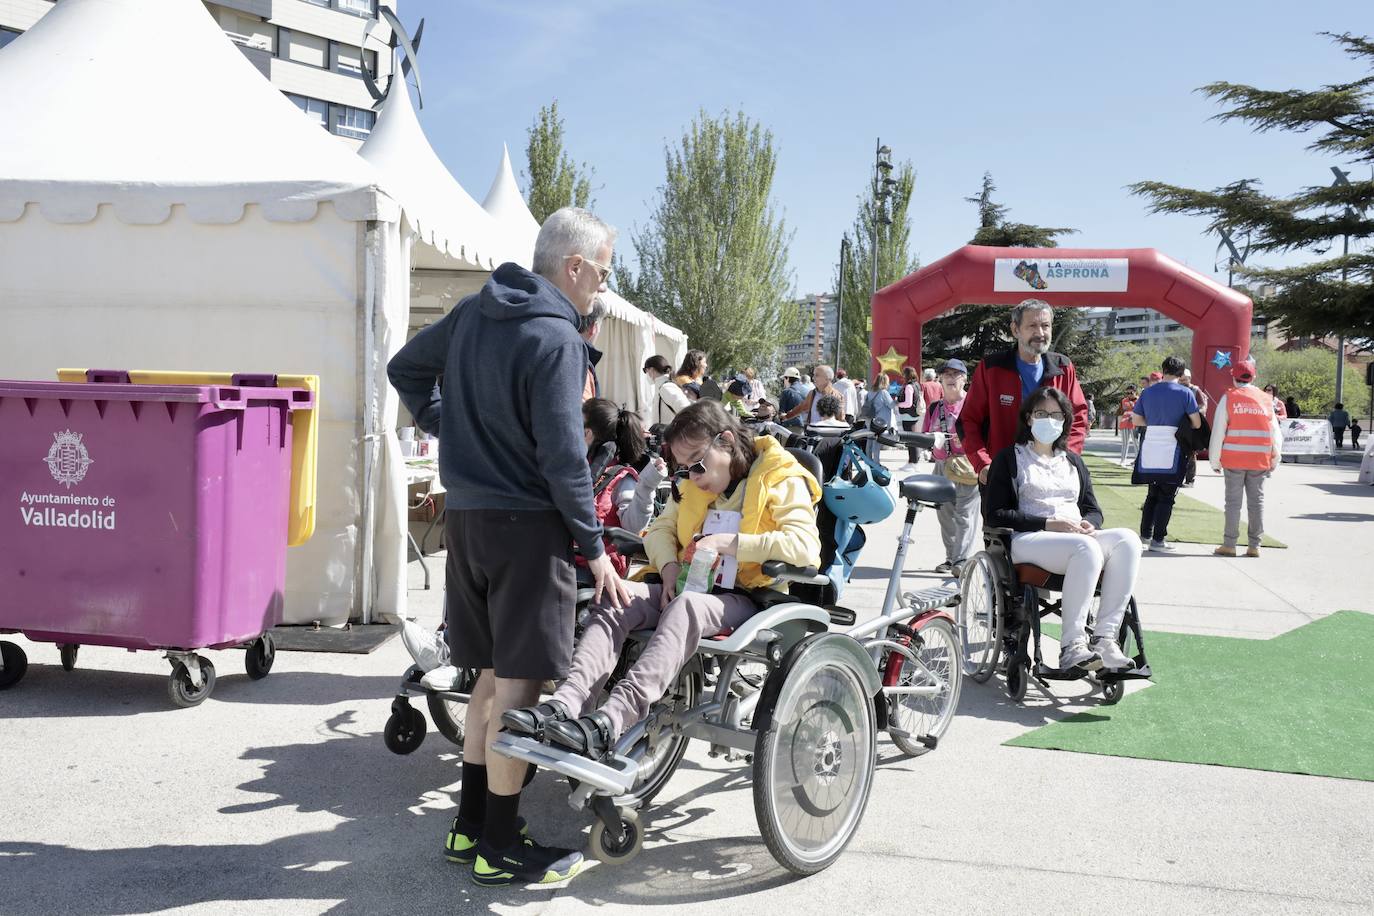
{"points": [[214, 145]]}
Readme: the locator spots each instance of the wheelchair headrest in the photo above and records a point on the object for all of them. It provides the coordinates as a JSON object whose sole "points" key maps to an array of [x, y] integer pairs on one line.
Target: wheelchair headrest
{"points": [[808, 461]]}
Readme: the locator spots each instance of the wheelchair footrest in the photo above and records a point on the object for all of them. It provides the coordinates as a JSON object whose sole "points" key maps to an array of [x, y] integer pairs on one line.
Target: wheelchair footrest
{"points": [[614, 775], [1046, 673], [1141, 673], [928, 599]]}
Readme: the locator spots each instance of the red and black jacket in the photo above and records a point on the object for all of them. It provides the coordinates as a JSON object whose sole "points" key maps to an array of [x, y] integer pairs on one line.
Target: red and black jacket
{"points": [[987, 423]]}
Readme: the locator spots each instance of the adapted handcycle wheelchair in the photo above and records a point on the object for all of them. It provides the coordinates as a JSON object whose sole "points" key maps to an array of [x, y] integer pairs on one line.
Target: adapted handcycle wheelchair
{"points": [[799, 702], [1000, 609]]}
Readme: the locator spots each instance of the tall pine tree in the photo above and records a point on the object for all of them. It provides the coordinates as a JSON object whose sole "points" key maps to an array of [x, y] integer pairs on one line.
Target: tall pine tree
{"points": [[1312, 299], [971, 331]]}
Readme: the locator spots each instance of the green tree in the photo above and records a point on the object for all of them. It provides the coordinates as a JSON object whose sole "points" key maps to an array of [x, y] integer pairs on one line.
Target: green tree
{"points": [[713, 257], [554, 181], [893, 218], [973, 330], [1305, 375], [1312, 299]]}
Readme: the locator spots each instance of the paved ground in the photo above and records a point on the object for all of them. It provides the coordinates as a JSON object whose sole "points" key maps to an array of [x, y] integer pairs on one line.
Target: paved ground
{"points": [[278, 796]]}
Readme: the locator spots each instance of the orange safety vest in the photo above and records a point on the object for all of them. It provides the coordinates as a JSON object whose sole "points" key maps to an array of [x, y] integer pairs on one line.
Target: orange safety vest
{"points": [[1249, 443]]}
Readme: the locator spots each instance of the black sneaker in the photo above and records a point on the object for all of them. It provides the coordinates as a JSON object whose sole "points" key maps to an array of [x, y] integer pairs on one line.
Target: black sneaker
{"points": [[944, 567], [461, 844], [525, 863], [590, 735]]}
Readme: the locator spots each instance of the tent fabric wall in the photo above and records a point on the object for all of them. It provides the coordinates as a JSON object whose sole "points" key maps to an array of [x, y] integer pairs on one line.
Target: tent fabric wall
{"points": [[274, 297]]}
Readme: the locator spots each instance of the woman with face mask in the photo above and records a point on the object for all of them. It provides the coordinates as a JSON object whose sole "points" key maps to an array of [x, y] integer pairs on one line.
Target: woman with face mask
{"points": [[1042, 491], [745, 498]]}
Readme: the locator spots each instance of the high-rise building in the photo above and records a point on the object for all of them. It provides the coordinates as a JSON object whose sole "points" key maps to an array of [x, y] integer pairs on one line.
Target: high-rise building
{"points": [[309, 49], [817, 342], [1134, 325]]}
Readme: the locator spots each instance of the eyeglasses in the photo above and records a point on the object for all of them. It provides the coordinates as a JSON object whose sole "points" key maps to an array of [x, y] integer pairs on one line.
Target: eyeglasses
{"points": [[697, 467], [603, 272], [1047, 415]]}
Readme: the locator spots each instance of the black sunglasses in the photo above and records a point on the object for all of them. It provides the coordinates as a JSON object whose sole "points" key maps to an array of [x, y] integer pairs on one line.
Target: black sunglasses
{"points": [[696, 467]]}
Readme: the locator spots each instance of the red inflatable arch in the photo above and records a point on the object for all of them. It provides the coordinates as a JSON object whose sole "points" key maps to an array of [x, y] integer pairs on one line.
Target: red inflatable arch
{"points": [[1066, 277]]}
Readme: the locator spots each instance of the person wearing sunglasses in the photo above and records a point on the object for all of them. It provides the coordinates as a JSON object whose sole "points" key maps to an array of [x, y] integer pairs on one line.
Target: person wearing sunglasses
{"points": [[1041, 489], [760, 503]]}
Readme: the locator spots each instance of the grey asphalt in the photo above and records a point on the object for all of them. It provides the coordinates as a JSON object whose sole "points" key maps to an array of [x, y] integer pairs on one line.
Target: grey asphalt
{"points": [[278, 796]]}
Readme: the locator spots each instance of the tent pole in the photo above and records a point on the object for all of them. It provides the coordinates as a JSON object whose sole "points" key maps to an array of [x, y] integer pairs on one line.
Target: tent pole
{"points": [[369, 412]]}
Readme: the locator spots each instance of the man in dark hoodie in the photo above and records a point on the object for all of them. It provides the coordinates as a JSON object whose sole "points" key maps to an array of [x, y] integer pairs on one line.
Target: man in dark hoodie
{"points": [[514, 464]]}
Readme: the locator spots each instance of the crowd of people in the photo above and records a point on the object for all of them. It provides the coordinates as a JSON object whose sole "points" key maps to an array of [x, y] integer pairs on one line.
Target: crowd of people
{"points": [[530, 499]]}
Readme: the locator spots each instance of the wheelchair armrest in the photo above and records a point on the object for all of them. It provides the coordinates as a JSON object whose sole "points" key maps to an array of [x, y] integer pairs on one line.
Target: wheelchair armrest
{"points": [[627, 542], [805, 575]]}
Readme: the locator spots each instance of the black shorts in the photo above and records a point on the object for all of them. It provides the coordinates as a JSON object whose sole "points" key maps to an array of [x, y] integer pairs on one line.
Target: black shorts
{"points": [[512, 592]]}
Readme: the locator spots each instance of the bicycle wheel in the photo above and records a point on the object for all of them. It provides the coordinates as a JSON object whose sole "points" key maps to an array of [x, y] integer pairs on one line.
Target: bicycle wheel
{"points": [[981, 606], [924, 719], [813, 770]]}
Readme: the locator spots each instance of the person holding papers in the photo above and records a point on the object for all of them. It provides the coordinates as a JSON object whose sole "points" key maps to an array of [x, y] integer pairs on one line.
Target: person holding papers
{"points": [[1160, 410]]}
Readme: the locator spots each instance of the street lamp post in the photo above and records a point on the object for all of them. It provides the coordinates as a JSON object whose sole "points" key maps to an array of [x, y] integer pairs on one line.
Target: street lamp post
{"points": [[882, 190], [839, 300], [1342, 180]]}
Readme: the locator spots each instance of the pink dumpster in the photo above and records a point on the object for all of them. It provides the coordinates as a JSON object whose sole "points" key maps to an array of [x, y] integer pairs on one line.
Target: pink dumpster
{"points": [[145, 517]]}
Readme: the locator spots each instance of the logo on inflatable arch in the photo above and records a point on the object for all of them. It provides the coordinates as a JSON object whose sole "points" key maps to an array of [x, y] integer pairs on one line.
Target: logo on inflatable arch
{"points": [[1031, 274], [1061, 275], [1221, 359], [68, 459]]}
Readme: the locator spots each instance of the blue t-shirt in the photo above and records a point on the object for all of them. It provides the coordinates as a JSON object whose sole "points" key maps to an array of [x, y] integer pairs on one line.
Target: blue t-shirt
{"points": [[1031, 373], [1166, 404]]}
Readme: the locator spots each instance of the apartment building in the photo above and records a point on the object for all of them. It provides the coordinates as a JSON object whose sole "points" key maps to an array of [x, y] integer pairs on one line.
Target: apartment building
{"points": [[311, 50], [817, 341]]}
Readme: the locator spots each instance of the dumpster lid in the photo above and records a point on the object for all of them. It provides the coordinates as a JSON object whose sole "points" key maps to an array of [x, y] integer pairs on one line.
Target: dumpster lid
{"points": [[219, 395]]}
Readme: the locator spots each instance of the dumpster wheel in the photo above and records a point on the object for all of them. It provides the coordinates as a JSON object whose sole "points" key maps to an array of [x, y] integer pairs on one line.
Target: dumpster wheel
{"points": [[68, 652], [13, 663], [261, 653], [182, 689]]}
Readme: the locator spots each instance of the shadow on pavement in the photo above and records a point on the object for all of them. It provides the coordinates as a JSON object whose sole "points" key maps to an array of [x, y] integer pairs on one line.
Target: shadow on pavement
{"points": [[47, 690], [1337, 516], [385, 853]]}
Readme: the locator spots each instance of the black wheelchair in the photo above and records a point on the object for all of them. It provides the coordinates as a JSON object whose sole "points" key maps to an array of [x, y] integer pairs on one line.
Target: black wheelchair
{"points": [[1000, 609]]}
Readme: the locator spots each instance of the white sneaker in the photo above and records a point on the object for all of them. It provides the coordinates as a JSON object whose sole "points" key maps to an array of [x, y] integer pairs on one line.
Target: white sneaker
{"points": [[428, 648], [441, 678], [1077, 654], [1113, 659], [908, 468], [1162, 547]]}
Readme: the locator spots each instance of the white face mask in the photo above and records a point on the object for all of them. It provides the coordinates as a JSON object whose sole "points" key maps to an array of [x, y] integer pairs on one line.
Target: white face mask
{"points": [[1046, 430]]}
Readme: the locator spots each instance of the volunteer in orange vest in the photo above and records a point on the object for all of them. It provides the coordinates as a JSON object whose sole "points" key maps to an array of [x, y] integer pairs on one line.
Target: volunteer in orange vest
{"points": [[1246, 447]]}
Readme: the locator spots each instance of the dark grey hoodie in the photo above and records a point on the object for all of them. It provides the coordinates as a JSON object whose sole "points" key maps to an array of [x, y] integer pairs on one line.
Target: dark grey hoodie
{"points": [[509, 420]]}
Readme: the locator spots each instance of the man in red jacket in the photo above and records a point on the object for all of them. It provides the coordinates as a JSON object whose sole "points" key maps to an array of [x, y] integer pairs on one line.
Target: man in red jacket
{"points": [[987, 423]]}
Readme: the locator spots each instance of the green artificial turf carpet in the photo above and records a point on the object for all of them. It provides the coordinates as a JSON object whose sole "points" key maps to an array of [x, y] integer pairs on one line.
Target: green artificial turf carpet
{"points": [[1193, 522], [1302, 702]]}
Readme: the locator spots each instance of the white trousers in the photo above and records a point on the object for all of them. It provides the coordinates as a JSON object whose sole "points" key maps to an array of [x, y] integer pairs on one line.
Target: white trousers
{"points": [[1113, 554]]}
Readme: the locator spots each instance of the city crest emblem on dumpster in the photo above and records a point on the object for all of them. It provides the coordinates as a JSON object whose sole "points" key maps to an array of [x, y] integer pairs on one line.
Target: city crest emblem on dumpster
{"points": [[68, 459]]}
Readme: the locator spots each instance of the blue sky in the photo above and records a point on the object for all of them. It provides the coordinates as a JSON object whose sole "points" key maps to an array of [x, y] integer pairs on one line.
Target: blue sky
{"points": [[1064, 102]]}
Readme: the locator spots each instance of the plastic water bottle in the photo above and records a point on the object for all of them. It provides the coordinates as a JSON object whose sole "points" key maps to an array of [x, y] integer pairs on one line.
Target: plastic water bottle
{"points": [[701, 574]]}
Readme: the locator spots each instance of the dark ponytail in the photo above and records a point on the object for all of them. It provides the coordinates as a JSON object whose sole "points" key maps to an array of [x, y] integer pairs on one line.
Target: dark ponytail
{"points": [[610, 423]]}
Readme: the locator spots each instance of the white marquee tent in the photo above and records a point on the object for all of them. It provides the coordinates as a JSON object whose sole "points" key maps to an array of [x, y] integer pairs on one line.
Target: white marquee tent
{"points": [[628, 336], [172, 210]]}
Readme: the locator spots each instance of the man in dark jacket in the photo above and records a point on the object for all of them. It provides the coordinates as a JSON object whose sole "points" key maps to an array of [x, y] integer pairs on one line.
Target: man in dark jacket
{"points": [[514, 463], [987, 424]]}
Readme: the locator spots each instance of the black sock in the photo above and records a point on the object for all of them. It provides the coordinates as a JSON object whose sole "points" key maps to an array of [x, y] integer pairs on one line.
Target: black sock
{"points": [[472, 798], [529, 776], [499, 830]]}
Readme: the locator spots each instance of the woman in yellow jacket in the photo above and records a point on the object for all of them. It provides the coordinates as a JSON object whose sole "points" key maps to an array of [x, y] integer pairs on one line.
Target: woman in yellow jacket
{"points": [[728, 480]]}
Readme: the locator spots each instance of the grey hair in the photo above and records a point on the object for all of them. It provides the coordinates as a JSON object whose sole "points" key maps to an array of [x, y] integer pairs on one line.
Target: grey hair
{"points": [[590, 320], [929, 375], [567, 232], [1028, 305]]}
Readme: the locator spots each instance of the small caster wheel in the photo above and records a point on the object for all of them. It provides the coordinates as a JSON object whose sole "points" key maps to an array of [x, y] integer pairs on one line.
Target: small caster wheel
{"points": [[262, 652], [1017, 676], [405, 730], [68, 656], [604, 847], [182, 691], [1113, 691], [13, 664]]}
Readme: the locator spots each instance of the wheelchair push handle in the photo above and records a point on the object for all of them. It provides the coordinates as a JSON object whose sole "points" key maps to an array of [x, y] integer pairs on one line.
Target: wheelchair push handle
{"points": [[806, 575], [920, 440]]}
